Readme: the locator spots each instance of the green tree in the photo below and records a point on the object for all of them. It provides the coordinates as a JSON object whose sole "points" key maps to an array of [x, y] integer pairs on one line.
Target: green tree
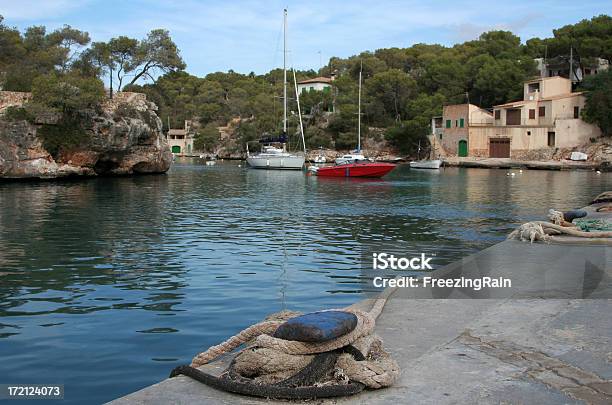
{"points": [[156, 53], [407, 137], [69, 40], [207, 138], [67, 94], [391, 89], [598, 107], [121, 53]]}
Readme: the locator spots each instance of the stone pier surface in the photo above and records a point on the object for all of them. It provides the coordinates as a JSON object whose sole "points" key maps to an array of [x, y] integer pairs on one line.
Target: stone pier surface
{"points": [[528, 350], [507, 163]]}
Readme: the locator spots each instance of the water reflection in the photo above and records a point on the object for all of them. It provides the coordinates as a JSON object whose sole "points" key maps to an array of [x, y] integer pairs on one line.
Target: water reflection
{"points": [[141, 273]]}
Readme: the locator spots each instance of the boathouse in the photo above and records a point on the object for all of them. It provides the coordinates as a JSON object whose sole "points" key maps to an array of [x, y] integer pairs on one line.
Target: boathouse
{"points": [[180, 140]]}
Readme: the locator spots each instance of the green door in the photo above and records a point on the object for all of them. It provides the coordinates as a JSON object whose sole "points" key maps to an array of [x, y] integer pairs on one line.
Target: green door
{"points": [[463, 149], [176, 149]]}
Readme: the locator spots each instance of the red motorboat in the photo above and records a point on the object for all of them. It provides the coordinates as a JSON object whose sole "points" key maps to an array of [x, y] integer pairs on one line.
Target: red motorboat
{"points": [[360, 167], [356, 169]]}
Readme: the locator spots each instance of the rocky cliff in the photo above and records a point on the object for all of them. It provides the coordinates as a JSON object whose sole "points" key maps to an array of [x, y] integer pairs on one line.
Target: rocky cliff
{"points": [[123, 137]]}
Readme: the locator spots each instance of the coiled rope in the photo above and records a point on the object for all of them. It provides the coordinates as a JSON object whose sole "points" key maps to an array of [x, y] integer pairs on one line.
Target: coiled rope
{"points": [[560, 230], [284, 369]]}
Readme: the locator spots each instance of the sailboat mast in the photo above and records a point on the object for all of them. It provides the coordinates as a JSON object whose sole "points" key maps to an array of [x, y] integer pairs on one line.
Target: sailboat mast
{"points": [[285, 72], [297, 99], [359, 112]]}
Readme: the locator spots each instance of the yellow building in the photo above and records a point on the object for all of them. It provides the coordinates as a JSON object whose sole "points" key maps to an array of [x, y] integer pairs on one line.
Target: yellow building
{"points": [[547, 117]]}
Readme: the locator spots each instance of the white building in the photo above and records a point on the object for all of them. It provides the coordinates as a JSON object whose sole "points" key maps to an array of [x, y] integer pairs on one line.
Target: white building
{"points": [[561, 67], [316, 84]]}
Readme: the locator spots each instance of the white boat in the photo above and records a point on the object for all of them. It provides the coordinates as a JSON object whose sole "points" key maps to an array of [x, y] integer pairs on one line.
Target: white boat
{"points": [[426, 164], [350, 158], [313, 169], [272, 156], [320, 158]]}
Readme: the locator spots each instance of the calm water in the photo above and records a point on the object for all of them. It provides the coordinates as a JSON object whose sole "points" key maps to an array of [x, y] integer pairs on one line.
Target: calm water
{"points": [[107, 284]]}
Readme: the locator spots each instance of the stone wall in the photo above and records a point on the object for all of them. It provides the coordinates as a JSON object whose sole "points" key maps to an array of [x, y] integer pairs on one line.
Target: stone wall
{"points": [[138, 100], [13, 98]]}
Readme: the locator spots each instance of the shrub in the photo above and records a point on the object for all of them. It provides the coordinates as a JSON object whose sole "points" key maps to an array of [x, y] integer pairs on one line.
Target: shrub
{"points": [[15, 113], [67, 134]]}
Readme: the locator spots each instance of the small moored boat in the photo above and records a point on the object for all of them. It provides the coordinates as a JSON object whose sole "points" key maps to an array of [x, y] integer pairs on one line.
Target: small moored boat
{"points": [[356, 169], [426, 164]]}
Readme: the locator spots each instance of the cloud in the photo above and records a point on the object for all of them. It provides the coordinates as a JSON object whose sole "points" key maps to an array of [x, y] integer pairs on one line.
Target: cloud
{"points": [[469, 31]]}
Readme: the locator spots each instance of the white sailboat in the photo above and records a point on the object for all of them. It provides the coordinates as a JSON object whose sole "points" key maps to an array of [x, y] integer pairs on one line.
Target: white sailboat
{"points": [[274, 154], [356, 155], [426, 164]]}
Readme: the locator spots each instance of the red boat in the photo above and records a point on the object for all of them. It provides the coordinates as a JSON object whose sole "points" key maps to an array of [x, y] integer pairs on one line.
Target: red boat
{"points": [[357, 169]]}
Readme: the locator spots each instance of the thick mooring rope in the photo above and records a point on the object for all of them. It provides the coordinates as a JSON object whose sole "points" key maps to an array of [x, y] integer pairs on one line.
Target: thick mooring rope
{"points": [[263, 330], [357, 360], [549, 232]]}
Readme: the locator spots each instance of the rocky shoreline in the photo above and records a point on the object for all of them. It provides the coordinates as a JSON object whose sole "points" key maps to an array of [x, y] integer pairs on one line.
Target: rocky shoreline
{"points": [[123, 138]]}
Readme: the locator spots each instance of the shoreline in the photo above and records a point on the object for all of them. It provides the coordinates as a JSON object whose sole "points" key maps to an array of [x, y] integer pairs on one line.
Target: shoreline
{"points": [[482, 163], [505, 163]]}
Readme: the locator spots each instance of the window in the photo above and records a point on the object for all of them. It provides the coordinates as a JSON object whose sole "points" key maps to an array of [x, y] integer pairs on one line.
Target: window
{"points": [[542, 112], [551, 139], [533, 87], [311, 88], [497, 114], [461, 122], [326, 89], [576, 112], [440, 136], [531, 114], [448, 123], [456, 123]]}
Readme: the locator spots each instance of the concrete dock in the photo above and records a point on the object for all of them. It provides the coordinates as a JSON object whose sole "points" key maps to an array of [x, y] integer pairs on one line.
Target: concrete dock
{"points": [[552, 345], [506, 163]]}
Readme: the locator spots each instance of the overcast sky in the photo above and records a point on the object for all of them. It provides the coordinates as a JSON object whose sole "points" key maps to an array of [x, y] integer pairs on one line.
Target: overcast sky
{"points": [[245, 35]]}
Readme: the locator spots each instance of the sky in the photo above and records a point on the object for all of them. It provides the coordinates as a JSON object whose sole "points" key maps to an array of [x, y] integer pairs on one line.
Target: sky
{"points": [[246, 35]]}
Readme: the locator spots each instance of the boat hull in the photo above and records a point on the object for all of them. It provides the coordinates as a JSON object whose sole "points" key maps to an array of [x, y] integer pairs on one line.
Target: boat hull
{"points": [[426, 164], [370, 169], [276, 162]]}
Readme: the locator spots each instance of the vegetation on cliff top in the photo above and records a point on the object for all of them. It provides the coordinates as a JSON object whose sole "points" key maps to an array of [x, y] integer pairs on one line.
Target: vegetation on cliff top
{"points": [[63, 75]]}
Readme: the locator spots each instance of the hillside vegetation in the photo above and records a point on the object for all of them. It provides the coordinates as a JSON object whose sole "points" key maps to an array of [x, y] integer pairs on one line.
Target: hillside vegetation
{"points": [[402, 88]]}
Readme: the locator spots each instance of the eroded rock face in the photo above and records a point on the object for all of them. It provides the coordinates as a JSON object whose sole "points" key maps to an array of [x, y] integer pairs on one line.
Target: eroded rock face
{"points": [[125, 138]]}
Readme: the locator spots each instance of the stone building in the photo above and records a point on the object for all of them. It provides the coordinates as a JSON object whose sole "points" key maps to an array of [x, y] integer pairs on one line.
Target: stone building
{"points": [[181, 140], [452, 130], [549, 116]]}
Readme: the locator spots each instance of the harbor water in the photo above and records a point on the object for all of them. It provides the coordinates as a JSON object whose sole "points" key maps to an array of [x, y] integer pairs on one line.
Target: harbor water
{"points": [[107, 284]]}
